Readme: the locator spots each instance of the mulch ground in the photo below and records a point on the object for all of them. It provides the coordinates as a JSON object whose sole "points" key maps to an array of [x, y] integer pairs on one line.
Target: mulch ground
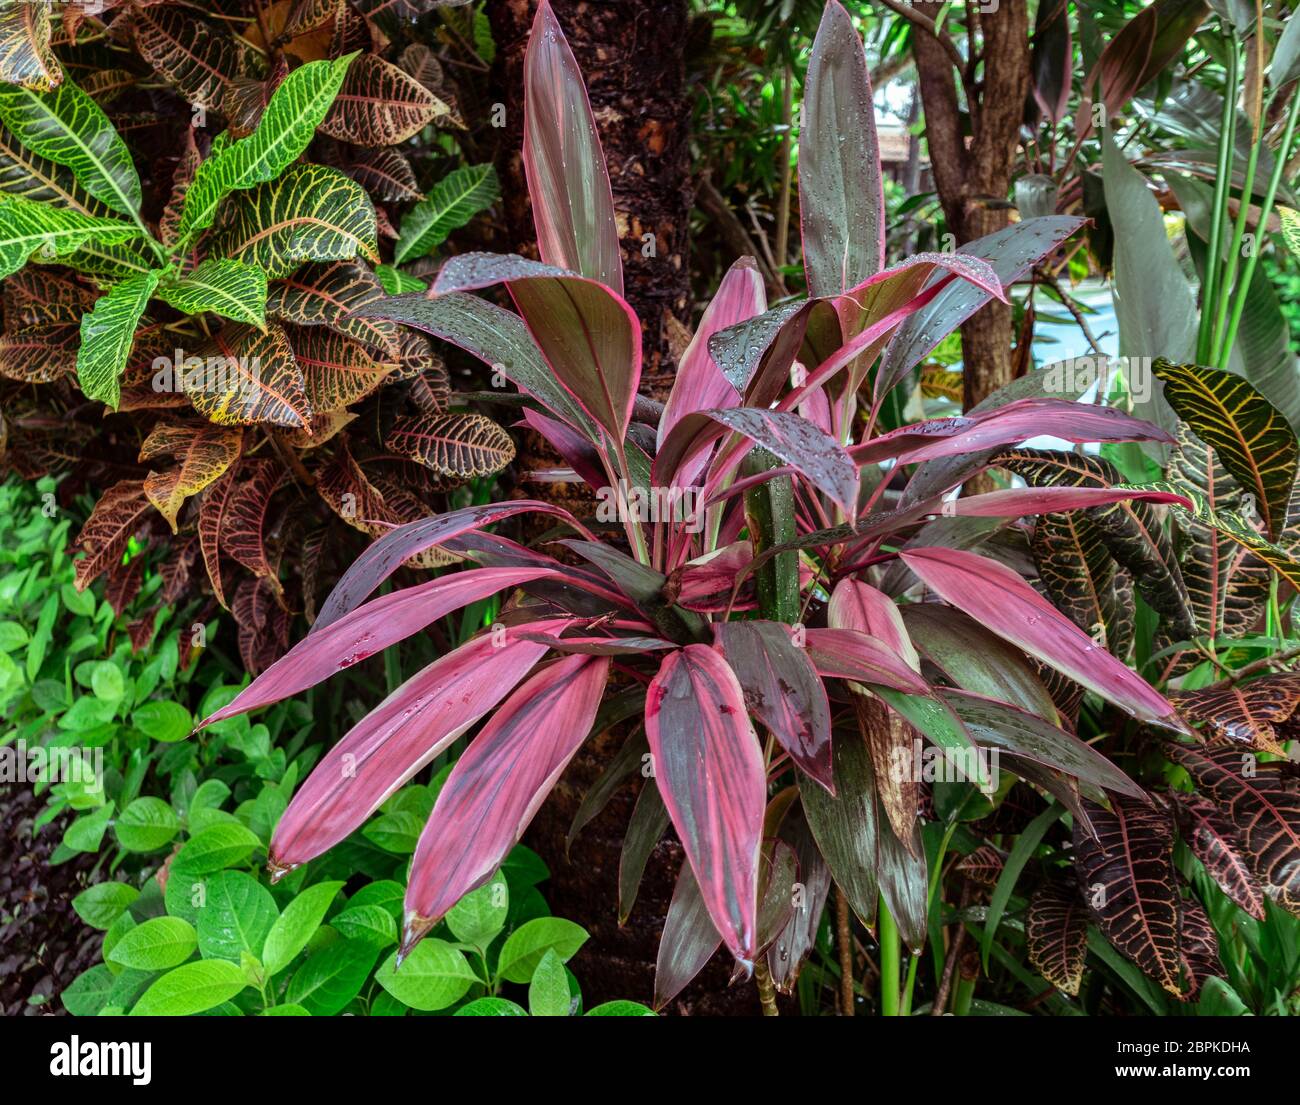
{"points": [[43, 943]]}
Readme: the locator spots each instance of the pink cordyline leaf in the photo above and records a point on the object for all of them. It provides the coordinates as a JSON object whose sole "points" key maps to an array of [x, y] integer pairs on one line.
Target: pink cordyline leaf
{"points": [[497, 785], [782, 690], [709, 769], [384, 556], [573, 208], [1016, 501], [397, 738], [576, 451], [588, 335], [851, 654], [841, 201], [857, 605], [699, 384], [999, 599], [370, 629], [1008, 425], [884, 292]]}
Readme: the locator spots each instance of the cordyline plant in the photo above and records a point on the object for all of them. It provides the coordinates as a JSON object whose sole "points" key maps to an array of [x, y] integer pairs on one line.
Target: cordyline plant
{"points": [[753, 621], [219, 329]]}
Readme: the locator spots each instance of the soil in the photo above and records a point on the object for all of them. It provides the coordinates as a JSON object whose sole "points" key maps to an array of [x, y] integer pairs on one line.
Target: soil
{"points": [[43, 943]]}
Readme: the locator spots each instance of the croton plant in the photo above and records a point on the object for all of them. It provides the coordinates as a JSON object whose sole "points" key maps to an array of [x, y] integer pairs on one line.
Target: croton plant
{"points": [[191, 205], [797, 594]]}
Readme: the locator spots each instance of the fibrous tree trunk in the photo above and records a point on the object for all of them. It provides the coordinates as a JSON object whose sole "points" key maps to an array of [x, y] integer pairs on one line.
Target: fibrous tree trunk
{"points": [[973, 176], [631, 56]]}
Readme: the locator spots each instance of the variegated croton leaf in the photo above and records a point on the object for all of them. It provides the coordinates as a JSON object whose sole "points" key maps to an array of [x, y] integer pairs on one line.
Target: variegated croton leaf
{"points": [[1250, 436], [263, 624], [380, 105], [202, 453], [39, 354], [243, 533], [328, 295], [458, 444], [244, 375], [1128, 879], [336, 370], [1262, 800], [1056, 933], [199, 59], [1214, 840], [25, 54], [1249, 714], [121, 511], [1132, 530]]}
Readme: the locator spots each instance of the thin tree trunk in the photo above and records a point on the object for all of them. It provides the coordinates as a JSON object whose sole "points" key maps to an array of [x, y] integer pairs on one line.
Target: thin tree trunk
{"points": [[630, 54], [973, 178]]}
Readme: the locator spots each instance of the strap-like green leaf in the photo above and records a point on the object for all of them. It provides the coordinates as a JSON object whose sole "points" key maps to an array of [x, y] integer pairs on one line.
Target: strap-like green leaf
{"points": [[107, 334], [28, 227], [69, 128], [223, 286], [312, 213], [287, 126], [23, 173], [454, 200]]}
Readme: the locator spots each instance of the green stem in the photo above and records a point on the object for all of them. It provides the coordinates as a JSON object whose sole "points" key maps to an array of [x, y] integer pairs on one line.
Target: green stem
{"points": [[890, 948], [930, 897], [1223, 181], [962, 996], [1234, 250], [1266, 209]]}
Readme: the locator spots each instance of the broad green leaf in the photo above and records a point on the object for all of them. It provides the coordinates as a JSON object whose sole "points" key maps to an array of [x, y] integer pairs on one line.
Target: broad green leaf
{"points": [[290, 1010], [146, 825], [69, 128], [30, 229], [331, 977], [480, 914], [164, 721], [396, 282], [100, 905], [223, 286], [192, 988], [214, 848], [86, 833], [285, 130], [370, 924], [236, 915], [524, 947], [548, 992], [89, 991], [295, 926], [433, 976], [26, 174], [311, 213], [156, 945], [107, 334], [621, 1009], [491, 1007], [451, 203]]}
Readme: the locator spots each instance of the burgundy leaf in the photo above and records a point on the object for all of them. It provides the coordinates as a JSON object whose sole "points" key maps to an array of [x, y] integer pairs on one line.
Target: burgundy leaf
{"points": [[568, 182], [995, 596], [396, 739], [849, 654], [782, 690], [497, 785], [859, 606], [709, 769]]}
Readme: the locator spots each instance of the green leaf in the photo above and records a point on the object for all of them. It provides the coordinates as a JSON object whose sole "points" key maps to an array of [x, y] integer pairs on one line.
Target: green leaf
{"points": [[295, 926], [491, 1007], [311, 213], [480, 914], [163, 721], [434, 976], [368, 924], [156, 945], [146, 825], [222, 286], [290, 1010], [395, 832], [29, 228], [285, 130], [86, 833], [621, 1009], [452, 202], [100, 905], [1026, 843], [548, 992], [237, 914], [525, 947], [106, 682], [88, 992], [192, 988], [69, 128], [1290, 226], [331, 977], [396, 282], [107, 334], [214, 848]]}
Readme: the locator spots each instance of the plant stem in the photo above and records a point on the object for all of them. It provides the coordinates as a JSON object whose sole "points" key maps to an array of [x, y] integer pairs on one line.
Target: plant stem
{"points": [[1266, 209], [844, 942], [889, 962], [787, 170], [961, 998], [766, 991], [1222, 183]]}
